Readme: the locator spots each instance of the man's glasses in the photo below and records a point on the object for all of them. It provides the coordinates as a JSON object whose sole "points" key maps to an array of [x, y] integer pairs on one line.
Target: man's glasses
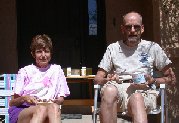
{"points": [[129, 27]]}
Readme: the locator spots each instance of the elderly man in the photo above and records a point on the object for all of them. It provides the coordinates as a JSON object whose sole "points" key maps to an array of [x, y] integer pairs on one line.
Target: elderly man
{"points": [[131, 56]]}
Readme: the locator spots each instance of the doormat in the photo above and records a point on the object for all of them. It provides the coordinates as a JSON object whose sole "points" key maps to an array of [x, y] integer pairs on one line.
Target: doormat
{"points": [[71, 116]]}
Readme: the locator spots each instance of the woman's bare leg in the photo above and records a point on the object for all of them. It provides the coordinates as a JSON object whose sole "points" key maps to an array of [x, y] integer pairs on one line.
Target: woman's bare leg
{"points": [[33, 114], [54, 113]]}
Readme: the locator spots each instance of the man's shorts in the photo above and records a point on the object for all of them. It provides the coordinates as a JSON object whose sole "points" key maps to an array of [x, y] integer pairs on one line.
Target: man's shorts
{"points": [[125, 91]]}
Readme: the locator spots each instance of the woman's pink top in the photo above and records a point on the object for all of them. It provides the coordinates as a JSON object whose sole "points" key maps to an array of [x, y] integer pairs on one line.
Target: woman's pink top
{"points": [[44, 83]]}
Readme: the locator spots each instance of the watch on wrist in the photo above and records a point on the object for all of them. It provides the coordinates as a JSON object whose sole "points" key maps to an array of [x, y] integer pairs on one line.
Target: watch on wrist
{"points": [[155, 82]]}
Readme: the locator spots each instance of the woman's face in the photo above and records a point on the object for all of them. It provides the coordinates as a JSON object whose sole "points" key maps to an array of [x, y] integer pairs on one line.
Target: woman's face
{"points": [[42, 57]]}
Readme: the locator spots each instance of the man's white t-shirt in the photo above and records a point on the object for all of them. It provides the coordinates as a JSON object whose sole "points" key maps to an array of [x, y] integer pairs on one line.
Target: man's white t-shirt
{"points": [[127, 60]]}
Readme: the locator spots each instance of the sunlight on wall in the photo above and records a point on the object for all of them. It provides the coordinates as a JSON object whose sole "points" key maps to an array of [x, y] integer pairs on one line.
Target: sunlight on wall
{"points": [[169, 18]]}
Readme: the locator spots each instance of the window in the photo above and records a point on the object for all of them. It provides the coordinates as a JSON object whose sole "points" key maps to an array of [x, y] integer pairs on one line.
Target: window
{"points": [[92, 13]]}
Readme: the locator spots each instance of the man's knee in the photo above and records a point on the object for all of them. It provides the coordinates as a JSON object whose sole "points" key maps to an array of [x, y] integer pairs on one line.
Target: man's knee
{"points": [[110, 93], [136, 100], [137, 97]]}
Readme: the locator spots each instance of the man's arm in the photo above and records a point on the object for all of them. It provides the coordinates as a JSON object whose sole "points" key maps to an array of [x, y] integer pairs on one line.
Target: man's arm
{"points": [[100, 77], [167, 78]]}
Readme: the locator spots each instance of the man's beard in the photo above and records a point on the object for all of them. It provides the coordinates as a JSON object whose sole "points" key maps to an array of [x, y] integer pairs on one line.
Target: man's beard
{"points": [[133, 39]]}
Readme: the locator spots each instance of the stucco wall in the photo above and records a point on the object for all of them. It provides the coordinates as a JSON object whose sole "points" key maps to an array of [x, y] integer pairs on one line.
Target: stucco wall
{"points": [[115, 9], [8, 37], [169, 13]]}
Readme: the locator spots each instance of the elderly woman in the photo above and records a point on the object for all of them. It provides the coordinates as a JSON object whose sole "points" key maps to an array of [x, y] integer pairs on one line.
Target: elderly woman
{"points": [[42, 82]]}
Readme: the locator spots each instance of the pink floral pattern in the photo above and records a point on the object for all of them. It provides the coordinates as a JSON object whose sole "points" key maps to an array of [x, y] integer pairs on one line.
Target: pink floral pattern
{"points": [[46, 81]]}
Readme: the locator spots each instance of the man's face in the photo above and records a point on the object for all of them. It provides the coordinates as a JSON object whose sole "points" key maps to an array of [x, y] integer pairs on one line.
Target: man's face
{"points": [[132, 29]]}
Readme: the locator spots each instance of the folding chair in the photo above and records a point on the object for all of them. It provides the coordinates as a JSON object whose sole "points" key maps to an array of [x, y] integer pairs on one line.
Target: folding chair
{"points": [[161, 110], [6, 86], [6, 91]]}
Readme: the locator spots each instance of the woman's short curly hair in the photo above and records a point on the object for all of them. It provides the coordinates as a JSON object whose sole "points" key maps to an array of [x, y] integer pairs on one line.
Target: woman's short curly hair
{"points": [[41, 41]]}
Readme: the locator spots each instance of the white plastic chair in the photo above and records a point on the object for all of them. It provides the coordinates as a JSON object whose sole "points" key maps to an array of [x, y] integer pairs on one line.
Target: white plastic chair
{"points": [[157, 111]]}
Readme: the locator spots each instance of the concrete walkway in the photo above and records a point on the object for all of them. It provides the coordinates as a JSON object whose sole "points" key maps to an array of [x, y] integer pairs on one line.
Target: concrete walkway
{"points": [[88, 119]]}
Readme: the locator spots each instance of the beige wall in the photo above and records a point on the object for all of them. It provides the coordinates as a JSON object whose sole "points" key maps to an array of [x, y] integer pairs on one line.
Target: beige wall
{"points": [[115, 9], [8, 36]]}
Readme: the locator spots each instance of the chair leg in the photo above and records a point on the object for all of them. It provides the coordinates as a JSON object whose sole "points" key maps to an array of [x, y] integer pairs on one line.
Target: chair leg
{"points": [[162, 87], [96, 88], [94, 117]]}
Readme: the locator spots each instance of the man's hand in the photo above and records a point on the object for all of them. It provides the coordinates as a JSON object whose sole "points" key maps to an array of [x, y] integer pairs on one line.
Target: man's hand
{"points": [[167, 78], [171, 76], [114, 77], [141, 86], [149, 79], [100, 77], [100, 80]]}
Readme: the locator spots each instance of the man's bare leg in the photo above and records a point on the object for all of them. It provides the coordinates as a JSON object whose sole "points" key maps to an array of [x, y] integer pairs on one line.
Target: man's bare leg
{"points": [[108, 112], [137, 108]]}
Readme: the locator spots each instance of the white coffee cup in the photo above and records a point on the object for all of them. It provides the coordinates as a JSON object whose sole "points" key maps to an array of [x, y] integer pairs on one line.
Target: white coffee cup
{"points": [[138, 78]]}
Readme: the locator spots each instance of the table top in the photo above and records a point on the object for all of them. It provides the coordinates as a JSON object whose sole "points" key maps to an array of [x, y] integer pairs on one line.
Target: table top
{"points": [[82, 77]]}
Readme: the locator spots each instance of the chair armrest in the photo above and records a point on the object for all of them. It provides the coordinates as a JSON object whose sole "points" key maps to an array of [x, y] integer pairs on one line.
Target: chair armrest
{"points": [[162, 85], [97, 86]]}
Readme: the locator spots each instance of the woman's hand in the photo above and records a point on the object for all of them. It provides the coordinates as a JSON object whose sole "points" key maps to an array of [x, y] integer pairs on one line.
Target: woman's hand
{"points": [[59, 100], [29, 99], [19, 100]]}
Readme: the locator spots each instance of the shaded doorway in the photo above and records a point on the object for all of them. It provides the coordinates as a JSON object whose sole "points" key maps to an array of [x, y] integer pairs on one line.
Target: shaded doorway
{"points": [[66, 22]]}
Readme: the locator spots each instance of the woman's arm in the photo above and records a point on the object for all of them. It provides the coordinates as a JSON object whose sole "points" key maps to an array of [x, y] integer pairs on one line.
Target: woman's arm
{"points": [[16, 100], [59, 100], [19, 100]]}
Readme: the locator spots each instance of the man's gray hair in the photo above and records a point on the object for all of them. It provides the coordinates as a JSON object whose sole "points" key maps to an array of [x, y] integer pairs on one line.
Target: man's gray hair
{"points": [[140, 16]]}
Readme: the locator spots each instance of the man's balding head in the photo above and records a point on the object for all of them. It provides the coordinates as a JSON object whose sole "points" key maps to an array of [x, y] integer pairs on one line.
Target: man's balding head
{"points": [[132, 15]]}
